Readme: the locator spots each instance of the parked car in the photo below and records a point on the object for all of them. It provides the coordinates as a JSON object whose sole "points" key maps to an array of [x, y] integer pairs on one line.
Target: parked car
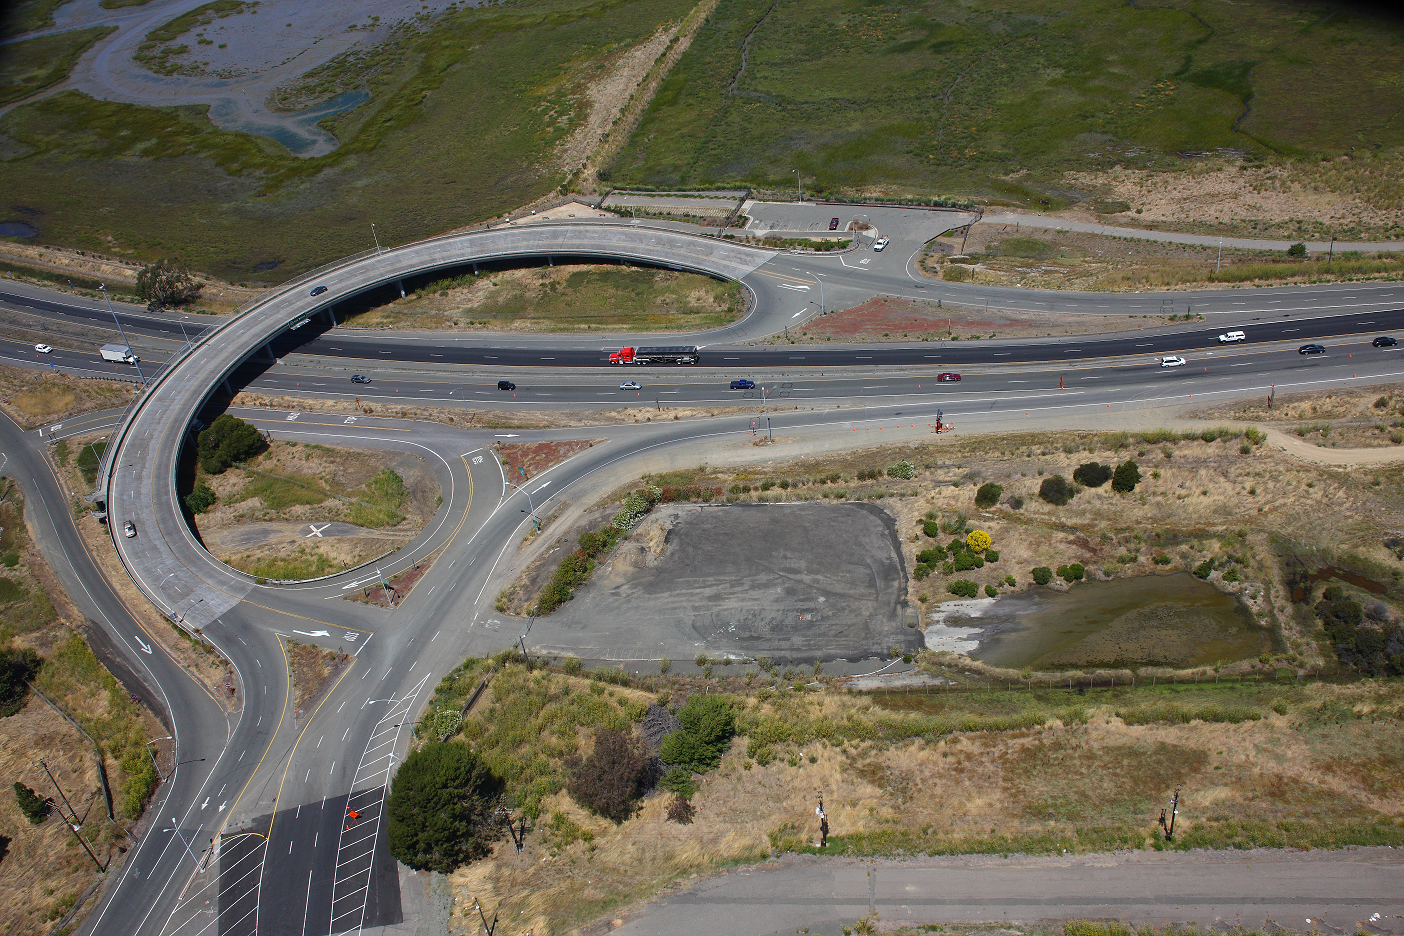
{"points": [[631, 385], [1226, 337], [318, 290], [833, 224], [742, 384], [129, 529], [359, 378], [948, 376], [43, 348], [1384, 341], [1312, 349], [506, 385], [881, 243], [1172, 361]]}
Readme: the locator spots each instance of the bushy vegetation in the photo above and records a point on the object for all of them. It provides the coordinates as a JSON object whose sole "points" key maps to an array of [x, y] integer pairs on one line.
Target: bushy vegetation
{"points": [[575, 568], [18, 666], [977, 541], [1372, 644], [988, 494], [963, 588], [708, 725], [904, 470], [201, 499], [228, 441], [35, 807], [1041, 575], [379, 504], [89, 459], [1126, 477], [1092, 474], [442, 808], [166, 283], [1072, 572], [610, 781], [1056, 490]]}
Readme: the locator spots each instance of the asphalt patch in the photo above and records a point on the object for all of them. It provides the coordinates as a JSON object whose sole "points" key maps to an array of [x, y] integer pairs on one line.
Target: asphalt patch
{"points": [[792, 582]]}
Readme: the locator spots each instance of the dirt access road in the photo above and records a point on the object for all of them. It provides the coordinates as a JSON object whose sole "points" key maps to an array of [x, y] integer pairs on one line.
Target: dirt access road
{"points": [[1326, 892]]}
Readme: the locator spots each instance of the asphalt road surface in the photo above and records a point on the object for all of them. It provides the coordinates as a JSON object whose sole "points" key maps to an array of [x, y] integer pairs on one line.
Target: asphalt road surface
{"points": [[268, 804]]}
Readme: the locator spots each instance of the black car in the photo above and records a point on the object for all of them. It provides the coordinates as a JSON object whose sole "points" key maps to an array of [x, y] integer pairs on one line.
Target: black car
{"points": [[742, 384], [359, 378], [506, 385], [318, 290], [1312, 349], [1384, 341]]}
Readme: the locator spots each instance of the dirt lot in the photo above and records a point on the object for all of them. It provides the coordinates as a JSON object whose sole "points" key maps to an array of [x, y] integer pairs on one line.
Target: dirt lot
{"points": [[314, 671], [44, 870], [891, 319], [301, 510], [36, 398], [562, 298], [529, 459]]}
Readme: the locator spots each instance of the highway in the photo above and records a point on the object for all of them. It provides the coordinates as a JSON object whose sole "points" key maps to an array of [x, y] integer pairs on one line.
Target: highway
{"points": [[272, 800]]}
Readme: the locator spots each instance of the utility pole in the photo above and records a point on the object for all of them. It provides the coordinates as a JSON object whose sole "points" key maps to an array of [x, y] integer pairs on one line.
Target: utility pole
{"points": [[1332, 252], [1219, 261], [486, 925], [74, 825], [1169, 827]]}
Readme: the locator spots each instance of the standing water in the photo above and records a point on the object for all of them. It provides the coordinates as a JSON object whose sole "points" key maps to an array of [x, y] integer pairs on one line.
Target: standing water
{"points": [[1164, 620]]}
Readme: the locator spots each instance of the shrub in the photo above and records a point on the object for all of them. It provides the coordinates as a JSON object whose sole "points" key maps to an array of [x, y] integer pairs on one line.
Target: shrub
{"points": [[228, 441], [965, 561], [978, 541], [679, 782], [991, 591], [1162, 560], [1056, 490], [610, 781], [991, 555], [1297, 250], [963, 588], [920, 571], [931, 528], [442, 808], [201, 499], [1203, 569], [708, 725], [35, 807], [1127, 476], [931, 556], [680, 810], [1073, 572], [636, 507], [988, 494], [904, 470], [1092, 474], [1042, 575]]}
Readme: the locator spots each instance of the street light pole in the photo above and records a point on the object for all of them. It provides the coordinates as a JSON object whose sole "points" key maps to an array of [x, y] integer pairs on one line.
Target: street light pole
{"points": [[153, 756], [376, 239], [534, 519], [118, 323], [798, 188]]}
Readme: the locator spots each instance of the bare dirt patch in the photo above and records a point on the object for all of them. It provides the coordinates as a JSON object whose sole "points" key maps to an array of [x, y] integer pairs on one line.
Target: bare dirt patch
{"points": [[303, 510], [529, 459], [35, 398], [389, 593], [892, 319]]}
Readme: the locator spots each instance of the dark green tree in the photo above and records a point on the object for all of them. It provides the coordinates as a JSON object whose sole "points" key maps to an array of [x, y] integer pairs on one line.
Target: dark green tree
{"points": [[35, 807], [1056, 490], [201, 499], [1042, 575], [166, 283], [1127, 476], [17, 667], [228, 441], [708, 725], [442, 808], [1092, 474]]}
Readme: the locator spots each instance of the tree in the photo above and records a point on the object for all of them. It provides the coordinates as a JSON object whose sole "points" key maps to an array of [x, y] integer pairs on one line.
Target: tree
{"points": [[1092, 474], [228, 441], [35, 807], [978, 541], [17, 667], [442, 808], [1056, 490], [610, 781], [708, 724], [201, 499], [988, 495], [1042, 575], [166, 283], [1127, 476], [1297, 250]]}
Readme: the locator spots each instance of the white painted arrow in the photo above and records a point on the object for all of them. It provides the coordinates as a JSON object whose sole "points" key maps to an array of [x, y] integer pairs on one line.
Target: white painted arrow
{"points": [[222, 805], [510, 435], [144, 647], [320, 633], [205, 803]]}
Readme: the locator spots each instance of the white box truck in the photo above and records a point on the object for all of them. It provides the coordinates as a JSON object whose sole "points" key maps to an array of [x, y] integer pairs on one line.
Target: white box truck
{"points": [[121, 354]]}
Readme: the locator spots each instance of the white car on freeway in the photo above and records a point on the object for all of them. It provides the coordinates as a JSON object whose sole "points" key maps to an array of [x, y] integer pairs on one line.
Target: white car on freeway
{"points": [[631, 385], [880, 244], [1226, 337], [43, 348], [1172, 361]]}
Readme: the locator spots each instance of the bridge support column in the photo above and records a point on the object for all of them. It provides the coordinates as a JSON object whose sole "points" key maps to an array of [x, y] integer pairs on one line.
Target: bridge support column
{"points": [[228, 389], [550, 261], [475, 269], [268, 350], [401, 284]]}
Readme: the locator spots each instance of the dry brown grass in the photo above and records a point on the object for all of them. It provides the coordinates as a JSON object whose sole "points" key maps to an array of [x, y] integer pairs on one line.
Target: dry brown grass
{"points": [[36, 398], [1371, 417], [314, 669]]}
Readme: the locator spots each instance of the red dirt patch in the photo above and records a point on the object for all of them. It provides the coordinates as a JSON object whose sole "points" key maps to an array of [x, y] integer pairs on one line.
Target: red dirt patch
{"points": [[529, 459], [400, 585], [893, 319]]}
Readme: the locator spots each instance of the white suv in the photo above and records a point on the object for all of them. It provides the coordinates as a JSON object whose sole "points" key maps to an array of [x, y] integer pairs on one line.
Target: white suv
{"points": [[1226, 337]]}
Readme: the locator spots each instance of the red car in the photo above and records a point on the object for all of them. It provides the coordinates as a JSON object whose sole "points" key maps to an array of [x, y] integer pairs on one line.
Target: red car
{"points": [[833, 224], [947, 376]]}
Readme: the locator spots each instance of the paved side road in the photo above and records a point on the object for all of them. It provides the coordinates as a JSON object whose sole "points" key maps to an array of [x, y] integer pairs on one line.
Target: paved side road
{"points": [[1025, 219], [1326, 892]]}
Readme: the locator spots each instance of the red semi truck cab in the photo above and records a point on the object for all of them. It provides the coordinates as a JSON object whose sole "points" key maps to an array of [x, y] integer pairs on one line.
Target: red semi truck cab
{"points": [[622, 356]]}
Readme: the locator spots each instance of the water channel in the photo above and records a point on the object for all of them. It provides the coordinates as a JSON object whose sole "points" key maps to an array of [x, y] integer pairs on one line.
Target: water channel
{"points": [[1163, 620]]}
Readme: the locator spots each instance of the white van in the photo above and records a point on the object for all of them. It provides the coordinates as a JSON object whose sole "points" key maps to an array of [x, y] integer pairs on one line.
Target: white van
{"points": [[1226, 337]]}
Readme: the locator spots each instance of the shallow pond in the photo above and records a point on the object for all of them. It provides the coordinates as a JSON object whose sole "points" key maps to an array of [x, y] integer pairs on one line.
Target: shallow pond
{"points": [[1165, 620]]}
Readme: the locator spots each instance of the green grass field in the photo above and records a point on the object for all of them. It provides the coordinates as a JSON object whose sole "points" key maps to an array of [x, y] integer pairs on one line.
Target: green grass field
{"points": [[921, 98], [35, 64], [461, 126]]}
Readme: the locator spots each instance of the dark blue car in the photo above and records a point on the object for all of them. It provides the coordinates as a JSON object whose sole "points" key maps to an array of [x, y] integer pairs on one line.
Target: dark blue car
{"points": [[742, 384]]}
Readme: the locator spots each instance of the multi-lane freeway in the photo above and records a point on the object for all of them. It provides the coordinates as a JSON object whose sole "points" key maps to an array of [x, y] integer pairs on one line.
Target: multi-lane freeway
{"points": [[264, 813]]}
